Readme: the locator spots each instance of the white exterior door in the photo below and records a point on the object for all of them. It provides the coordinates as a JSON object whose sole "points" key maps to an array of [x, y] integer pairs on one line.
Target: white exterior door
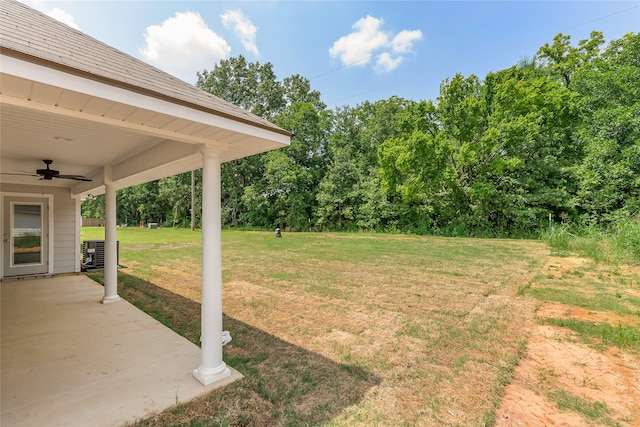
{"points": [[25, 236]]}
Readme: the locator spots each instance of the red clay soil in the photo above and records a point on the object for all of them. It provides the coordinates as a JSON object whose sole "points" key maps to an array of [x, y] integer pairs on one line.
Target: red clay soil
{"points": [[557, 359]]}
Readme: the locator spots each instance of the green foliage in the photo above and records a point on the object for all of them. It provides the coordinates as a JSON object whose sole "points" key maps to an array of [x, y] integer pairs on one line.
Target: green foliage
{"points": [[249, 85], [166, 201], [555, 139], [558, 239], [487, 160], [619, 243], [626, 239], [563, 59], [349, 195], [93, 208], [609, 102]]}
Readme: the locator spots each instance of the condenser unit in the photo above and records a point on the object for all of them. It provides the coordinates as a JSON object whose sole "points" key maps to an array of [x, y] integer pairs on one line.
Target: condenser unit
{"points": [[93, 254]]}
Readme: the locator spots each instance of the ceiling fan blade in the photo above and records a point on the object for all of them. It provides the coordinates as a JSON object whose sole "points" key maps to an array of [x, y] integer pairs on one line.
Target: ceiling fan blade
{"points": [[20, 174], [48, 174], [76, 177]]}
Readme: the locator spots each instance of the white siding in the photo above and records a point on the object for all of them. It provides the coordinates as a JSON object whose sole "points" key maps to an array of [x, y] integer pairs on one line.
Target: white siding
{"points": [[66, 218]]}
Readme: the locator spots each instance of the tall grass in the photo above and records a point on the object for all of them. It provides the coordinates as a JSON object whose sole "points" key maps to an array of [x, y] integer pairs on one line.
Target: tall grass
{"points": [[617, 244]]}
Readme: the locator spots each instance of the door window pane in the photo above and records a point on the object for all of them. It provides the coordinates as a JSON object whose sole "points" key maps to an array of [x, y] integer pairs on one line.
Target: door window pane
{"points": [[27, 234]]}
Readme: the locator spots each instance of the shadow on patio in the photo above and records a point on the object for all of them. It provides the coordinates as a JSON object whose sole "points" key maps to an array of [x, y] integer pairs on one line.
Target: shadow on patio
{"points": [[283, 384]]}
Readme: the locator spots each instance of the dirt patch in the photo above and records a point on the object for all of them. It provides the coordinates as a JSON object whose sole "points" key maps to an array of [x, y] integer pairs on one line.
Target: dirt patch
{"points": [[557, 310], [554, 361], [559, 266], [557, 362]]}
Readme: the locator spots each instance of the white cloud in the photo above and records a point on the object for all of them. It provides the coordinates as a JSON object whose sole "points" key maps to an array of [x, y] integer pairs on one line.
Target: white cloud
{"points": [[64, 17], [55, 13], [183, 44], [369, 41], [385, 63], [403, 41], [243, 27], [357, 48]]}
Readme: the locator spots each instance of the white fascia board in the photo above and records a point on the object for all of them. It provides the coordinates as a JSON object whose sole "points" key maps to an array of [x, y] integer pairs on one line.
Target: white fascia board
{"points": [[28, 70]]}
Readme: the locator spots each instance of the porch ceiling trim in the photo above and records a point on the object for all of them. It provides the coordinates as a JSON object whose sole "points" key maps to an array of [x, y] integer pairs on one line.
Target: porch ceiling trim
{"points": [[88, 86], [68, 97]]}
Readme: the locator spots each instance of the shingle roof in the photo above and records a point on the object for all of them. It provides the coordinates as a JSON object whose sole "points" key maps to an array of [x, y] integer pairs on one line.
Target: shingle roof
{"points": [[33, 36]]}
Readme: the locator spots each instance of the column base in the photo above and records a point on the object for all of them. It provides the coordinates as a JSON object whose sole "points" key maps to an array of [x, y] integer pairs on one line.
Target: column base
{"points": [[210, 376], [109, 300]]}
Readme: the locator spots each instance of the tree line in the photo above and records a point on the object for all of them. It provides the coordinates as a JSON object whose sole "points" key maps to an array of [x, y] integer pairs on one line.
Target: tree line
{"points": [[552, 139]]}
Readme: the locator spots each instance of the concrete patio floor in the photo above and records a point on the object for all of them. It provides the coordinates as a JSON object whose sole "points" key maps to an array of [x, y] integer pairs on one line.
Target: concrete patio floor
{"points": [[68, 360]]}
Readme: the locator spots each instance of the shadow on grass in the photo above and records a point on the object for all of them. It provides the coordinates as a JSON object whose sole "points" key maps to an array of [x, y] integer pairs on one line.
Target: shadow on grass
{"points": [[283, 384]]}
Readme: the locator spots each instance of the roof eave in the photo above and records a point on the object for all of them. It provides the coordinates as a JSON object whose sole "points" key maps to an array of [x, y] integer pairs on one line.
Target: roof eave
{"points": [[137, 89]]}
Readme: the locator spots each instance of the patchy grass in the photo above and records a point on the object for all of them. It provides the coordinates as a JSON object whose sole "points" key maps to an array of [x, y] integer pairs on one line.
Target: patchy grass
{"points": [[344, 329], [588, 297], [623, 336], [584, 351], [592, 410]]}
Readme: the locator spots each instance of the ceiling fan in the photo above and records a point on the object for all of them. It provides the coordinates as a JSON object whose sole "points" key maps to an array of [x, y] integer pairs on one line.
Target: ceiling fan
{"points": [[48, 174]]}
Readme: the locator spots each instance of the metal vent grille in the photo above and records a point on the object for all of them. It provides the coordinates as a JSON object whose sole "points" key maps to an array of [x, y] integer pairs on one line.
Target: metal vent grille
{"points": [[93, 254]]}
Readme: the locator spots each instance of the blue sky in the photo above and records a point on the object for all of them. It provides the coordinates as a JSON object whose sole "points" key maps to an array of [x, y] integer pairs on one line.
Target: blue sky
{"points": [[352, 51]]}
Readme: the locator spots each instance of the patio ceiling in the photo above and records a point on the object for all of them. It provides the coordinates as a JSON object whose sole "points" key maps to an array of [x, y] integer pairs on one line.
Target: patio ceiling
{"points": [[140, 137]]}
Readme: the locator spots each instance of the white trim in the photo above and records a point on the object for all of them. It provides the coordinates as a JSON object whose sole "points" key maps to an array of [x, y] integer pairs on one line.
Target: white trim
{"points": [[78, 219], [44, 233], [110, 241], [50, 231], [212, 368], [39, 73]]}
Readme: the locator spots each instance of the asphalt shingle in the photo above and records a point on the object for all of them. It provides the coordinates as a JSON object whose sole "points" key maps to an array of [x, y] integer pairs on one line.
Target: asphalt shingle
{"points": [[34, 36]]}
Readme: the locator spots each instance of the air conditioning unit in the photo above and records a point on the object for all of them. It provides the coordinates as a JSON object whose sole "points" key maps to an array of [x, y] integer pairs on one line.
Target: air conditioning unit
{"points": [[93, 254]]}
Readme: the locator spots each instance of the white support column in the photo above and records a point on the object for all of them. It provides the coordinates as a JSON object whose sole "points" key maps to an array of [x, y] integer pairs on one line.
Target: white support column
{"points": [[110, 241], [212, 367], [78, 214]]}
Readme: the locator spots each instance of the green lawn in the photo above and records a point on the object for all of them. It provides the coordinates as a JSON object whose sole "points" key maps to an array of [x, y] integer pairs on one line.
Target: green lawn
{"points": [[345, 329]]}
